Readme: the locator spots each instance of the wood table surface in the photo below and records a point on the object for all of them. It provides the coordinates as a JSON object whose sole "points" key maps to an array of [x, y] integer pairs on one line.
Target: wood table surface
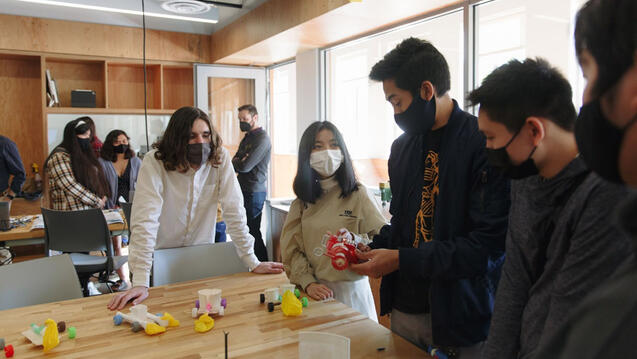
{"points": [[254, 333], [25, 232], [23, 207]]}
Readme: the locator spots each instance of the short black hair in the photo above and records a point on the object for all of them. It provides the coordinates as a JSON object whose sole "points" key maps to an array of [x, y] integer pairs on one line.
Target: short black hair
{"points": [[250, 108], [412, 62], [306, 182], [108, 151], [517, 90], [608, 30]]}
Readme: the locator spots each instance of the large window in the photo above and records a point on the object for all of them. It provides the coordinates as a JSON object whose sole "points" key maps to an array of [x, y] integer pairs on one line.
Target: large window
{"points": [[517, 29], [357, 106], [283, 129]]}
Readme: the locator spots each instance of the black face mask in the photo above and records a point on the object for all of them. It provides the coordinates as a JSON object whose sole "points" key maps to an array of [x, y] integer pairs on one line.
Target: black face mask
{"points": [[244, 126], [499, 158], [120, 148], [198, 153], [85, 143], [419, 117], [599, 141]]}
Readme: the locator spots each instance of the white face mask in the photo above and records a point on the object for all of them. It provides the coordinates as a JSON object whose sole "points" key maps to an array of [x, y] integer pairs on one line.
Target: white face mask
{"points": [[326, 162]]}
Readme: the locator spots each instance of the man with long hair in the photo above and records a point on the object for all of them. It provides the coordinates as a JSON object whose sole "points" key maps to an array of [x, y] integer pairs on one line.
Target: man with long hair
{"points": [[180, 185]]}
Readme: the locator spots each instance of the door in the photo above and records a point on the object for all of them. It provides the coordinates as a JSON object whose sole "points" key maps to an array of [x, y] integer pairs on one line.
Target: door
{"points": [[220, 90]]}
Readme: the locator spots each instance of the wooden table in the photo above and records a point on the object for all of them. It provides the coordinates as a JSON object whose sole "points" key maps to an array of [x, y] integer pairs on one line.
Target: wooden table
{"points": [[22, 207], [254, 333], [25, 232]]}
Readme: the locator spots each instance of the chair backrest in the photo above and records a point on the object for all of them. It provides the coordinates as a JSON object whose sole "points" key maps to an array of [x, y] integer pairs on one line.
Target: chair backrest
{"points": [[77, 231], [38, 281], [174, 265]]}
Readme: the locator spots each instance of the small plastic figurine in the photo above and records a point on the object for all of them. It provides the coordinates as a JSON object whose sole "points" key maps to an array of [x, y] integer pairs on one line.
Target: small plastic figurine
{"points": [[8, 351], [47, 335], [209, 302], [51, 337], [342, 249], [291, 305], [273, 298], [141, 319], [204, 323]]}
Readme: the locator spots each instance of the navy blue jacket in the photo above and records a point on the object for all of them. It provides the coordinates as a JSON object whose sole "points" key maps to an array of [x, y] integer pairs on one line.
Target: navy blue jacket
{"points": [[463, 262], [10, 164]]}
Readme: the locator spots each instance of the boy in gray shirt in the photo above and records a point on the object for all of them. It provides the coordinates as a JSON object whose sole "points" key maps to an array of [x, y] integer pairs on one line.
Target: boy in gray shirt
{"points": [[561, 243]]}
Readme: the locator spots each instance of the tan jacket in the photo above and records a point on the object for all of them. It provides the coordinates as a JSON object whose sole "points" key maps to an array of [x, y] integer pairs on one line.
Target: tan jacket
{"points": [[306, 224]]}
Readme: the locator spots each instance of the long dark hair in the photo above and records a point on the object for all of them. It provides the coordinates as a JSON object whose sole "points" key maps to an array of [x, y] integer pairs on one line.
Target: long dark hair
{"points": [[86, 169], [108, 152], [306, 183], [171, 149]]}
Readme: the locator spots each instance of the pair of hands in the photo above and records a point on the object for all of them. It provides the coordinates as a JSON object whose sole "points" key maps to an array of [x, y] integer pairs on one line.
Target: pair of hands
{"points": [[102, 202], [377, 262], [139, 293]]}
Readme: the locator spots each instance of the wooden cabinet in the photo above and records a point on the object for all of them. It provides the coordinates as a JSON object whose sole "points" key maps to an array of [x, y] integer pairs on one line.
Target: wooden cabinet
{"points": [[118, 86]]}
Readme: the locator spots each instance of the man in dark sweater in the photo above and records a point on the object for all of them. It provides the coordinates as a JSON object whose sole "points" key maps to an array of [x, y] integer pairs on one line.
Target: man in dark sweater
{"points": [[441, 256], [251, 163], [561, 243], [10, 165], [605, 323]]}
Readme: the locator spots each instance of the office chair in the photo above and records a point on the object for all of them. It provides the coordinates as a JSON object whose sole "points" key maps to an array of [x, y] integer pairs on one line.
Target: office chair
{"points": [[38, 281], [80, 232], [174, 265]]}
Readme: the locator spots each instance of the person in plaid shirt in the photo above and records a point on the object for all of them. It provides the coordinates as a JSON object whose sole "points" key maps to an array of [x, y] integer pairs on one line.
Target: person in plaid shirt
{"points": [[75, 178]]}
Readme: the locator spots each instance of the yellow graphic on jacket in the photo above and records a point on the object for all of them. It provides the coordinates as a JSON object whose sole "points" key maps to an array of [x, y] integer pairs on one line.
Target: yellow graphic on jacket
{"points": [[430, 190]]}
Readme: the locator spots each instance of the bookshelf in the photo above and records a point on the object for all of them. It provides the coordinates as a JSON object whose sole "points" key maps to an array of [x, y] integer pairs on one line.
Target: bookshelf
{"points": [[118, 86]]}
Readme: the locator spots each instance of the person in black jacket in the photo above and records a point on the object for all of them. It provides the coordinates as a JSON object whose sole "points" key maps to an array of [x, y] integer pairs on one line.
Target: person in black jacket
{"points": [[251, 164], [440, 257]]}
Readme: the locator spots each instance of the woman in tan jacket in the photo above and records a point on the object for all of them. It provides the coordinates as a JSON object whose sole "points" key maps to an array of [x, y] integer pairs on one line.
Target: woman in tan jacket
{"points": [[328, 198]]}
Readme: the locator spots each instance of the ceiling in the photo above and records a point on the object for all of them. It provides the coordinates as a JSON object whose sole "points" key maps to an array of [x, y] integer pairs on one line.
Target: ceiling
{"points": [[224, 15]]}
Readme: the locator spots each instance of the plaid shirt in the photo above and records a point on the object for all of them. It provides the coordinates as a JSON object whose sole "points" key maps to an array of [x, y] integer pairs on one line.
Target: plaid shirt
{"points": [[66, 193]]}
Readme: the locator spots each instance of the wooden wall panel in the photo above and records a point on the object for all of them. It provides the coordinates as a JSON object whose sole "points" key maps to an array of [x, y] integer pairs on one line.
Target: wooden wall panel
{"points": [[77, 38], [267, 20], [21, 107]]}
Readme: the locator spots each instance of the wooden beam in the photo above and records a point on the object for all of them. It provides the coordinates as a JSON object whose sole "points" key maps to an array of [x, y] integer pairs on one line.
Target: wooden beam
{"points": [[269, 19], [21, 33], [339, 24]]}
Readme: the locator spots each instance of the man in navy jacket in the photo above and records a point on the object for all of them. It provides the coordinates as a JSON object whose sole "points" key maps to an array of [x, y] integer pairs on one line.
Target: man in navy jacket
{"points": [[440, 258]]}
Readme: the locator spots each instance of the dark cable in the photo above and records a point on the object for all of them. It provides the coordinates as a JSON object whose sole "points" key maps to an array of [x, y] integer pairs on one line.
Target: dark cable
{"points": [[144, 64]]}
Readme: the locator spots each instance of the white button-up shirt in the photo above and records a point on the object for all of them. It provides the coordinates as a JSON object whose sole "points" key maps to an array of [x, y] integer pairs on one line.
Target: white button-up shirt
{"points": [[173, 209]]}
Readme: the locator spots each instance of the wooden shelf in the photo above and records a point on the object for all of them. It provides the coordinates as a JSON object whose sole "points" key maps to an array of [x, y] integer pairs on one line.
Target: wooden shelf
{"points": [[115, 111], [75, 74], [178, 86], [126, 85]]}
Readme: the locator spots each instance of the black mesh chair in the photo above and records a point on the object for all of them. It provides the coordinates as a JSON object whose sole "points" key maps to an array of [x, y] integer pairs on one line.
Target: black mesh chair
{"points": [[78, 233]]}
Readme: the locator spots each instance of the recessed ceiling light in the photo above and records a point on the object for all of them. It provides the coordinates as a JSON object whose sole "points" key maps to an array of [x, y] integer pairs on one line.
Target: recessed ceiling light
{"points": [[185, 7], [121, 11]]}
